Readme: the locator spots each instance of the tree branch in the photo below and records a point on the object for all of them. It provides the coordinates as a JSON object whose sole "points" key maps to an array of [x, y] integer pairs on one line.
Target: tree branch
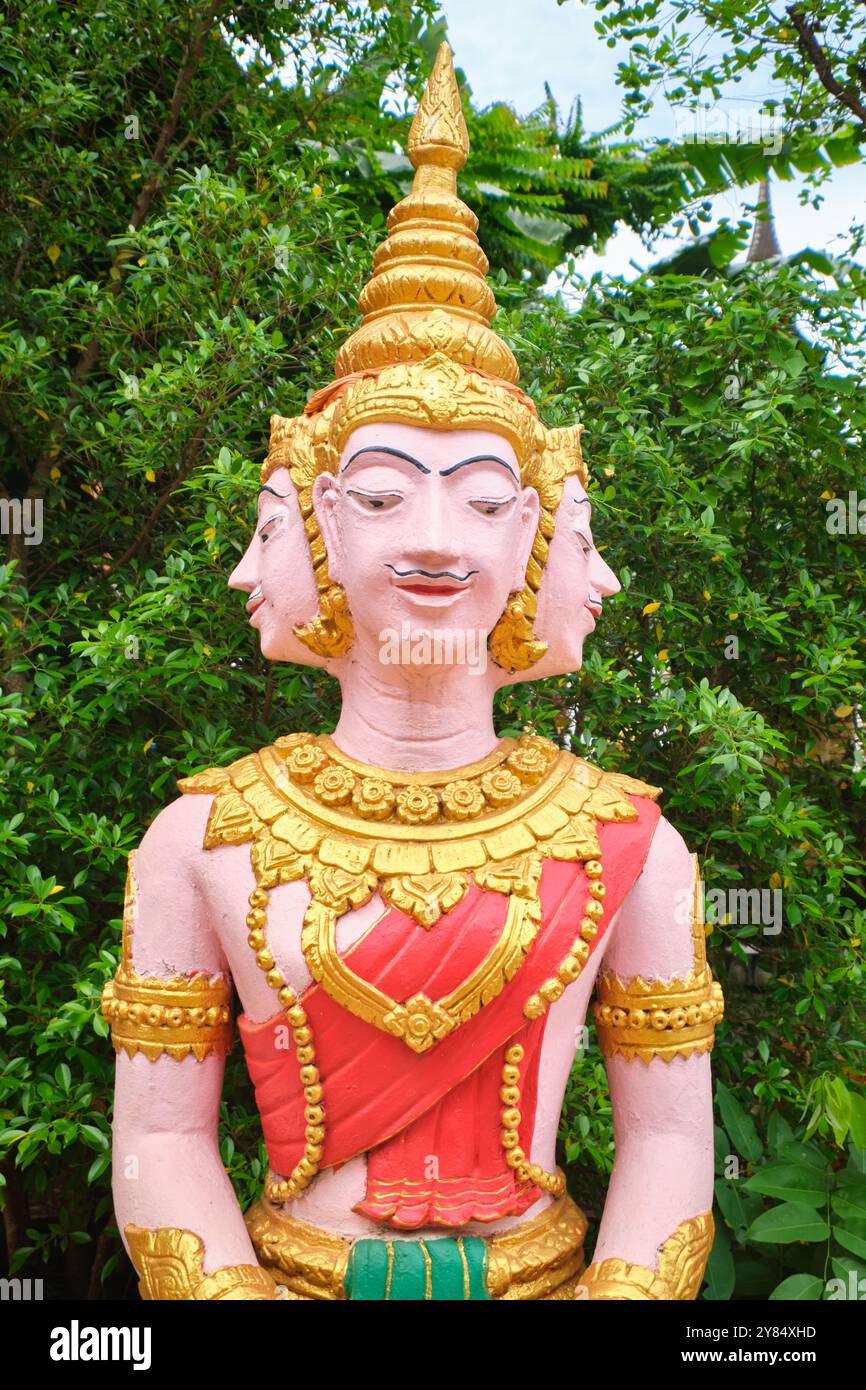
{"points": [[166, 135], [811, 49], [188, 463], [86, 362]]}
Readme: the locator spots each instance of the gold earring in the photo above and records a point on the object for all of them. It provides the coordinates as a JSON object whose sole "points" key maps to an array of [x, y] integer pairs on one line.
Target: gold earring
{"points": [[330, 634], [511, 643]]}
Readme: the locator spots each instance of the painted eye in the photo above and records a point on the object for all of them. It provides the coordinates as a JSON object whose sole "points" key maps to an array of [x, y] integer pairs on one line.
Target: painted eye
{"points": [[370, 502], [490, 507], [272, 524], [584, 542]]}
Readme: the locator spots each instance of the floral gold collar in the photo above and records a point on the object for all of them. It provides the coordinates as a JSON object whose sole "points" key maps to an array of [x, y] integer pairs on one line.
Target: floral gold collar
{"points": [[311, 812]]}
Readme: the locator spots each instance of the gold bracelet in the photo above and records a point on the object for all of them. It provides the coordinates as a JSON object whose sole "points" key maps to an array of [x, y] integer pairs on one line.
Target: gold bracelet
{"points": [[617, 1279], [682, 1261], [170, 1265], [657, 1018]]}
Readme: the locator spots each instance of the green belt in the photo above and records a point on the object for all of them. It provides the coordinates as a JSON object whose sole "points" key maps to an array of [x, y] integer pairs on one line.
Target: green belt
{"points": [[444, 1269]]}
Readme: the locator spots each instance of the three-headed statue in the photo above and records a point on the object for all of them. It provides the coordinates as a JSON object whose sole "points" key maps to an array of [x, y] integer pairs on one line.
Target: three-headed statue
{"points": [[415, 912]]}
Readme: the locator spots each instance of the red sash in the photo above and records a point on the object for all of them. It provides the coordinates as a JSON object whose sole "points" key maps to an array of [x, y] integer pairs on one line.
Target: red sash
{"points": [[430, 1123]]}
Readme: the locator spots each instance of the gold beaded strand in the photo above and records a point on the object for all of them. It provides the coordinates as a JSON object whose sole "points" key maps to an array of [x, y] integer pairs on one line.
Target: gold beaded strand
{"points": [[535, 1006], [284, 1189], [552, 989], [509, 1094]]}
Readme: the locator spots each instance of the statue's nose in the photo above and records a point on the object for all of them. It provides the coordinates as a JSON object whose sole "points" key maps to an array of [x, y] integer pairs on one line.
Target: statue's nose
{"points": [[242, 576], [603, 578], [433, 533]]}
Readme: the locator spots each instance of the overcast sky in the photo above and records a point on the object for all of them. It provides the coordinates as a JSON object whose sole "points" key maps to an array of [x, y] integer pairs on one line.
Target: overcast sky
{"points": [[509, 48]]}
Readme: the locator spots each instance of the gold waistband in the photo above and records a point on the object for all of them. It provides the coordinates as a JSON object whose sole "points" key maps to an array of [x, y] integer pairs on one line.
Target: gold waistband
{"points": [[539, 1259]]}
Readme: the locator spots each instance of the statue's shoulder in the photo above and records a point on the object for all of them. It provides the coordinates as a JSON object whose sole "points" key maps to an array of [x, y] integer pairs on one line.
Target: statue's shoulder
{"points": [[613, 782], [243, 771], [244, 796]]}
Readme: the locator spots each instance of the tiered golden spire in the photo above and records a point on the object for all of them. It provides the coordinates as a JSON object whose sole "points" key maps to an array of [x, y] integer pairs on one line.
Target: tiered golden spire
{"points": [[428, 292]]}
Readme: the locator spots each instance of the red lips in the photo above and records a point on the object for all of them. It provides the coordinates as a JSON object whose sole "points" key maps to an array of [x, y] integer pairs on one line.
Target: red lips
{"points": [[422, 590]]}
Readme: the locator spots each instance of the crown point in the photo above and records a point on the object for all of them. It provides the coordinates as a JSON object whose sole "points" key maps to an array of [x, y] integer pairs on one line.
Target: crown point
{"points": [[438, 134]]}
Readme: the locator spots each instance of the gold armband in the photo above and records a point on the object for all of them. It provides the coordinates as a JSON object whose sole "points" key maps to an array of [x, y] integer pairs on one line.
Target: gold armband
{"points": [[169, 1263], [153, 1015], [661, 1018], [657, 1018], [682, 1261]]}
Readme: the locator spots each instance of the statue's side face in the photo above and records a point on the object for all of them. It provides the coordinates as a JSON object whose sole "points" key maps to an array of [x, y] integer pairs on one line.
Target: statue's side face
{"points": [[576, 580], [425, 529], [277, 573]]}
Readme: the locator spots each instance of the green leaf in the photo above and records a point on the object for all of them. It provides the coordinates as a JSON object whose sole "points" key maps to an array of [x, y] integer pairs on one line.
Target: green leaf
{"points": [[858, 1119], [803, 1153], [720, 1274], [798, 1288], [792, 1182], [739, 1125], [844, 1267], [98, 1167], [855, 1241], [738, 1207], [97, 1138], [850, 1204], [786, 1223], [779, 1132]]}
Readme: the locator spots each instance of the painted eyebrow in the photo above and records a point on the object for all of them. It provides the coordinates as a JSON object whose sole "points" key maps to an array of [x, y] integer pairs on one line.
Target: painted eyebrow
{"points": [[478, 458], [381, 449], [265, 488]]}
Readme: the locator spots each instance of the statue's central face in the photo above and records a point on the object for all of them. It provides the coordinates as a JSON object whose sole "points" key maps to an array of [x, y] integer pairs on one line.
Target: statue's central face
{"points": [[426, 530]]}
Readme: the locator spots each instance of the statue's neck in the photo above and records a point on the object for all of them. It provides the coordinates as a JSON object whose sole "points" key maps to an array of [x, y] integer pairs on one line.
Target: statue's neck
{"points": [[421, 721]]}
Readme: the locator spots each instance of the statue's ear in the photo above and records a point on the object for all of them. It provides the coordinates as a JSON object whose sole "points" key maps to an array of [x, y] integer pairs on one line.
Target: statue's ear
{"points": [[530, 510], [326, 496]]}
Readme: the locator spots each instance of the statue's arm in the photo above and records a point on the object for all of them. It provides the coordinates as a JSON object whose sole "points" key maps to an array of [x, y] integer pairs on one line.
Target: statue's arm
{"points": [[169, 1009], [655, 1013]]}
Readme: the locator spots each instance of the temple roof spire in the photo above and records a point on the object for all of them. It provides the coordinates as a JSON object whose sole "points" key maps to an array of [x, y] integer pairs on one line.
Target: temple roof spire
{"points": [[764, 245]]}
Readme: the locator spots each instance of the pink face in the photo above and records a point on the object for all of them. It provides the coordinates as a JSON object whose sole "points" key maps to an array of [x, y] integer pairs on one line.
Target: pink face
{"points": [[277, 573], [427, 530], [576, 580]]}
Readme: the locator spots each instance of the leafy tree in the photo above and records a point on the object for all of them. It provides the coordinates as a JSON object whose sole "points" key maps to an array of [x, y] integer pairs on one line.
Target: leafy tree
{"points": [[724, 446], [168, 281], [816, 50], [697, 54]]}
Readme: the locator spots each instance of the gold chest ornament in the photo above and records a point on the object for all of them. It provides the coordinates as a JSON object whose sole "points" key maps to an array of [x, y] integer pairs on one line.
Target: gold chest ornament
{"points": [[311, 812]]}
